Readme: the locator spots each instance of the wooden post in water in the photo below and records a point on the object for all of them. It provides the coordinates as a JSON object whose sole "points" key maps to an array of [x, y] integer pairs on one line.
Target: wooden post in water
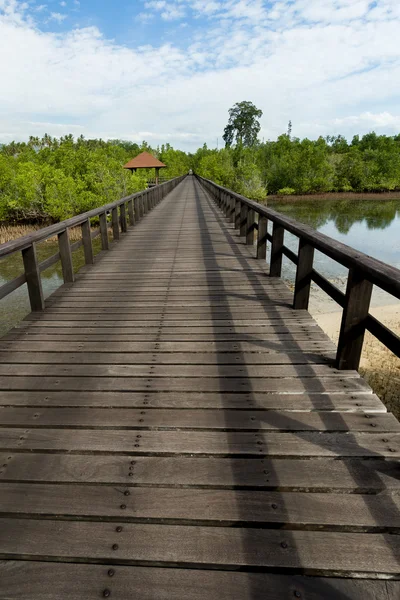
{"points": [[33, 280], [355, 312]]}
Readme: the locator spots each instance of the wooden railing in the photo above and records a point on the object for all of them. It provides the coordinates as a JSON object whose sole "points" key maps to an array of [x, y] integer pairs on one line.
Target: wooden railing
{"points": [[364, 271], [133, 207]]}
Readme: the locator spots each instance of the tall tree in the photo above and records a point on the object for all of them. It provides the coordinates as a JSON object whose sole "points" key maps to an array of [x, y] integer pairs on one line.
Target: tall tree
{"points": [[243, 125]]}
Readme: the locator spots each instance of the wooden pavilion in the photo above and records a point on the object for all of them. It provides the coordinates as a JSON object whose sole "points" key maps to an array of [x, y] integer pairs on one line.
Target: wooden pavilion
{"points": [[145, 160]]}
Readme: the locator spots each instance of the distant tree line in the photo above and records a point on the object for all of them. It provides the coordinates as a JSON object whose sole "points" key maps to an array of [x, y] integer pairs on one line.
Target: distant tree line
{"points": [[49, 179], [52, 179], [293, 166]]}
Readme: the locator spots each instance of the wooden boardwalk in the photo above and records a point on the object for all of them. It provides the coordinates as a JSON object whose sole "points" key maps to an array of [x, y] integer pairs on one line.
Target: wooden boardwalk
{"points": [[171, 429]]}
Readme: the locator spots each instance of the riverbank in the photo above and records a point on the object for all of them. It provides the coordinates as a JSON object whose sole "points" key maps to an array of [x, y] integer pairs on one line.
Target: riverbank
{"points": [[379, 366], [13, 232], [381, 196]]}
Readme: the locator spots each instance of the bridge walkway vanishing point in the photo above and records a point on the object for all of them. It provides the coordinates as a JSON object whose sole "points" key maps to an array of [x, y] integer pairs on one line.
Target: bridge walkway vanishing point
{"points": [[172, 429]]}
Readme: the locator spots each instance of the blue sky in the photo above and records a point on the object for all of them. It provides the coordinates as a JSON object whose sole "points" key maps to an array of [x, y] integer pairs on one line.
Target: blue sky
{"points": [[169, 70]]}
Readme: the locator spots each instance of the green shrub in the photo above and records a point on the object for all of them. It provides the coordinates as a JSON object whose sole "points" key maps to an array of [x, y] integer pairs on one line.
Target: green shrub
{"points": [[286, 191]]}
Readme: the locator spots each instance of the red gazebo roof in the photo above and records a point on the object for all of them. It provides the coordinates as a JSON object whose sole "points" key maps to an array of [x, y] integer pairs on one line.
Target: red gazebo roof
{"points": [[144, 161]]}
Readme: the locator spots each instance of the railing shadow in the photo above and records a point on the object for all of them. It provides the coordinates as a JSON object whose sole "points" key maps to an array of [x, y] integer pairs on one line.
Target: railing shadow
{"points": [[203, 199]]}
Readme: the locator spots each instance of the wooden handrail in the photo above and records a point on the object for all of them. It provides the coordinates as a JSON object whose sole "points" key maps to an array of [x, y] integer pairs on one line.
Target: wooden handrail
{"points": [[364, 271], [134, 206]]}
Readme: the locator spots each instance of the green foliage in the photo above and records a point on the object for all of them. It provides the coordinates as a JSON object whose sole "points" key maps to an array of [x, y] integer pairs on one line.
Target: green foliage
{"points": [[292, 166], [52, 179], [243, 125], [287, 191]]}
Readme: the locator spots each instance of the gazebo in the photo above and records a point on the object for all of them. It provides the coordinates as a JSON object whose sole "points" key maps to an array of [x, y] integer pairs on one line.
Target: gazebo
{"points": [[145, 161]]}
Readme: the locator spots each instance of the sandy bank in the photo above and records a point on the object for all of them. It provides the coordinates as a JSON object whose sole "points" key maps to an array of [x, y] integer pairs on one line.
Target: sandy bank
{"points": [[378, 365]]}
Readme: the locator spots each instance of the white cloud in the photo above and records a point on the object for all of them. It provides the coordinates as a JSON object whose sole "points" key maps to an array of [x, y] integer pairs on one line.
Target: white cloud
{"points": [[63, 4], [58, 17], [371, 120], [330, 71]]}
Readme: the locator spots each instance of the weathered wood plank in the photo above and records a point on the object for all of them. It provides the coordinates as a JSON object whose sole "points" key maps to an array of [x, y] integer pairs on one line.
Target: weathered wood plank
{"points": [[352, 402], [32, 580], [173, 337], [307, 552], [224, 508], [197, 419], [310, 475], [188, 384], [256, 346], [172, 371], [164, 358], [205, 443]]}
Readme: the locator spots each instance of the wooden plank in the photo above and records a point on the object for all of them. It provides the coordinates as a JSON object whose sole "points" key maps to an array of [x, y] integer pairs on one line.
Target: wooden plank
{"points": [[206, 443], [224, 508], [354, 476], [32, 580], [173, 358], [188, 384], [341, 401], [225, 420], [151, 328], [194, 336], [172, 371], [307, 552], [256, 346]]}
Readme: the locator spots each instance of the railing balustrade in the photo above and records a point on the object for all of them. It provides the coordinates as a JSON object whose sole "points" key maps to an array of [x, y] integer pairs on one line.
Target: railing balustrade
{"points": [[134, 206], [364, 271]]}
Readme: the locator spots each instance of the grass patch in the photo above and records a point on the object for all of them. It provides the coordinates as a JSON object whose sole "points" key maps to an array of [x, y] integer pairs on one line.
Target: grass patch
{"points": [[13, 232], [381, 369]]}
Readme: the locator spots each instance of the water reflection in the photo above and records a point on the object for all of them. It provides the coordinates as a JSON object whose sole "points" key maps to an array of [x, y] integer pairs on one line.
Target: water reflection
{"points": [[343, 214], [15, 307], [371, 226]]}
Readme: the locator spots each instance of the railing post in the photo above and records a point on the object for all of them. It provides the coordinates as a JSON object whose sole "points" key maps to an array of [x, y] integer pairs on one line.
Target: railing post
{"points": [[145, 199], [250, 227], [262, 237], [66, 256], [103, 231], [136, 204], [303, 275], [278, 233], [355, 312], [33, 280], [243, 220], [87, 242], [115, 223], [232, 209], [238, 206], [124, 225], [131, 212], [228, 206]]}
